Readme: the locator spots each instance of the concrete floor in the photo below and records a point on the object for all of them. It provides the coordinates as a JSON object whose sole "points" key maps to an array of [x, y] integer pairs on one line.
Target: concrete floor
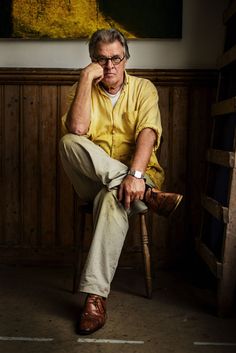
{"points": [[37, 303]]}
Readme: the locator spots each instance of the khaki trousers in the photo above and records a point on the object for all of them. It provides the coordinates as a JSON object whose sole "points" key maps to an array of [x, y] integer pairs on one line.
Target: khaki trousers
{"points": [[96, 177]]}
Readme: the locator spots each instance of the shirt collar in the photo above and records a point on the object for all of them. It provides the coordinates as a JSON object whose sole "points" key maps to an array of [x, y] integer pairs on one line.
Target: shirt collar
{"points": [[126, 80]]}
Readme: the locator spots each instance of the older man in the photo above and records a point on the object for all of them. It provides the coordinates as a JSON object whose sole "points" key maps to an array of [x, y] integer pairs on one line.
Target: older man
{"points": [[112, 130]]}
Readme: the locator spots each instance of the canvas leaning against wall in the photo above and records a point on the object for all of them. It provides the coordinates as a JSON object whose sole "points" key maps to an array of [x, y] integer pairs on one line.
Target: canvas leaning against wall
{"points": [[74, 19]]}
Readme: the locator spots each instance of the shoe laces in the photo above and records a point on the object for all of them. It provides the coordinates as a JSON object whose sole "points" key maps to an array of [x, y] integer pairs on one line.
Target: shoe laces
{"points": [[97, 302]]}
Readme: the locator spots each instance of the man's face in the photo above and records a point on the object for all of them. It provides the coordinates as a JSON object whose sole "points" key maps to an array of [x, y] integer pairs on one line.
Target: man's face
{"points": [[113, 74]]}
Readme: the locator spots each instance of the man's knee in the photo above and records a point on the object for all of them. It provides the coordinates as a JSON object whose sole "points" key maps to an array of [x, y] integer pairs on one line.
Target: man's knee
{"points": [[67, 142]]}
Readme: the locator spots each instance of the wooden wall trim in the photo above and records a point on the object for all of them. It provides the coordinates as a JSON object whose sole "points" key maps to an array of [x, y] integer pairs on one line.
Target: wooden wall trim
{"points": [[68, 76]]}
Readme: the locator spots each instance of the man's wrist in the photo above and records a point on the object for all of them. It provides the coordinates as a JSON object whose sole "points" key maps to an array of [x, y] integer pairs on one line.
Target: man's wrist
{"points": [[136, 173]]}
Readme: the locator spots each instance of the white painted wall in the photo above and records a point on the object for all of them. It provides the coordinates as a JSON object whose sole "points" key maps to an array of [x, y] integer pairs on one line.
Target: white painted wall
{"points": [[200, 46]]}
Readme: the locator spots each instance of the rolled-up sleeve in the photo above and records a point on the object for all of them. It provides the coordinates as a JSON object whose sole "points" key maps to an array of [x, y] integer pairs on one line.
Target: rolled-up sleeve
{"points": [[148, 112]]}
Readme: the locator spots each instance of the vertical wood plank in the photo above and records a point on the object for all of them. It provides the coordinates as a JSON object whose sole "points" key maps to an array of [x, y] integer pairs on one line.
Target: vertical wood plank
{"points": [[48, 160], [178, 148], [198, 141], [10, 140], [65, 227], [30, 186], [2, 154], [178, 129]]}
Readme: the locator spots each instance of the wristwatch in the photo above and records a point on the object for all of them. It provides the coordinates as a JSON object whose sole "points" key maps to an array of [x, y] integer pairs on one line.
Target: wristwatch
{"points": [[136, 173]]}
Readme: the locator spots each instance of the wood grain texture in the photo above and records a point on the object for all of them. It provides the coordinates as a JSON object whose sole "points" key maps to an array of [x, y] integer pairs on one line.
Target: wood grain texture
{"points": [[37, 221]]}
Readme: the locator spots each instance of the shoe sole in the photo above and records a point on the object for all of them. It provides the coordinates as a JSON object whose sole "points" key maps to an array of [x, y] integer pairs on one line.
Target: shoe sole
{"points": [[179, 199]]}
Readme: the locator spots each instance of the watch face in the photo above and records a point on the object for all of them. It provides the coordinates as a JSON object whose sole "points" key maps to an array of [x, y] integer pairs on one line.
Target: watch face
{"points": [[137, 174]]}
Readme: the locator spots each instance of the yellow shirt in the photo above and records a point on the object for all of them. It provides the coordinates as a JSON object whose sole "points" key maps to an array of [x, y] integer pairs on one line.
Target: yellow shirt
{"points": [[116, 129]]}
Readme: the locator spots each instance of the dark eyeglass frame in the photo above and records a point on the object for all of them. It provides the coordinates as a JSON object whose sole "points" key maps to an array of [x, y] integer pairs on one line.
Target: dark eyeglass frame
{"points": [[103, 60]]}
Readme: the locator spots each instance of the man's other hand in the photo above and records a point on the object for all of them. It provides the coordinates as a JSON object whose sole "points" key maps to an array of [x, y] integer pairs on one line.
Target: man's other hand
{"points": [[130, 190]]}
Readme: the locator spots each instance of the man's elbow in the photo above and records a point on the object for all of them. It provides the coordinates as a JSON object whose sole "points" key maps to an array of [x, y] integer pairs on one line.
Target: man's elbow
{"points": [[76, 129]]}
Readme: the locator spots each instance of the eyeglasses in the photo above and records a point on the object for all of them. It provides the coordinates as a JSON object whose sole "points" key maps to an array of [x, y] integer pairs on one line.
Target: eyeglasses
{"points": [[103, 60]]}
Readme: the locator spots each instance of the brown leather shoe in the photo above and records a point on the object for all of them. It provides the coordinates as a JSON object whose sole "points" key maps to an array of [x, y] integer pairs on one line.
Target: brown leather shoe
{"points": [[93, 315], [163, 203]]}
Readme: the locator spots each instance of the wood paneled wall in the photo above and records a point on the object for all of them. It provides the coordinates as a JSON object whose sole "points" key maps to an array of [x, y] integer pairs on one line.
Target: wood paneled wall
{"points": [[37, 219]]}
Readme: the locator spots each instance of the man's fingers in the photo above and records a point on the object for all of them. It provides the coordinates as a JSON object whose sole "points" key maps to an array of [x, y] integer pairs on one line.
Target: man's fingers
{"points": [[127, 201], [131, 190], [120, 193], [97, 80]]}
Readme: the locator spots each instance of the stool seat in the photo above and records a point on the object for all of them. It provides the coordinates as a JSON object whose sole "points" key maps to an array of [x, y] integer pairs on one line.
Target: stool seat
{"points": [[82, 211]]}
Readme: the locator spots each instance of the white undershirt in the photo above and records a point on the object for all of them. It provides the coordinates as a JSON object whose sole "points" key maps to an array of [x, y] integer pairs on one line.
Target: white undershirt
{"points": [[113, 97]]}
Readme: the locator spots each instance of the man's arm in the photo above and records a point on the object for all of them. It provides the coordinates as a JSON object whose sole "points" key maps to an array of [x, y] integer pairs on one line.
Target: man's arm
{"points": [[78, 117], [131, 188]]}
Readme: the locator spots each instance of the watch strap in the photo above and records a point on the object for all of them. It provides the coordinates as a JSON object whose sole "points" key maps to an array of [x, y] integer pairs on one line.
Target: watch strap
{"points": [[136, 173]]}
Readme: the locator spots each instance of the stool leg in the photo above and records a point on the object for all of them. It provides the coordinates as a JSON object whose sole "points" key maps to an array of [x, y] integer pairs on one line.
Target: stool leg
{"points": [[146, 254], [79, 251]]}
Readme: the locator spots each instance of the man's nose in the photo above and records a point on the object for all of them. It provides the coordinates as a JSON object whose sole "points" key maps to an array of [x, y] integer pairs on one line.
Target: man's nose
{"points": [[109, 63]]}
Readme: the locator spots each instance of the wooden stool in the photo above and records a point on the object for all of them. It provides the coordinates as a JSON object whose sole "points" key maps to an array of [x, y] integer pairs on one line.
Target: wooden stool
{"points": [[82, 212]]}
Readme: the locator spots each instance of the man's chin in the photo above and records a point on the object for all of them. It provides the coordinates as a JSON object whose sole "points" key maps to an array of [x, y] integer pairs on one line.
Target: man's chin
{"points": [[108, 81]]}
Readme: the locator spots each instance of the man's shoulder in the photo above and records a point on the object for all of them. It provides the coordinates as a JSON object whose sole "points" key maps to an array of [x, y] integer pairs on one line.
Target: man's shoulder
{"points": [[141, 83], [139, 80]]}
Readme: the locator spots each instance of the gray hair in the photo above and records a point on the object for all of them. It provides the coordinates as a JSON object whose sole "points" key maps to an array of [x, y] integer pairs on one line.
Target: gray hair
{"points": [[107, 36]]}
